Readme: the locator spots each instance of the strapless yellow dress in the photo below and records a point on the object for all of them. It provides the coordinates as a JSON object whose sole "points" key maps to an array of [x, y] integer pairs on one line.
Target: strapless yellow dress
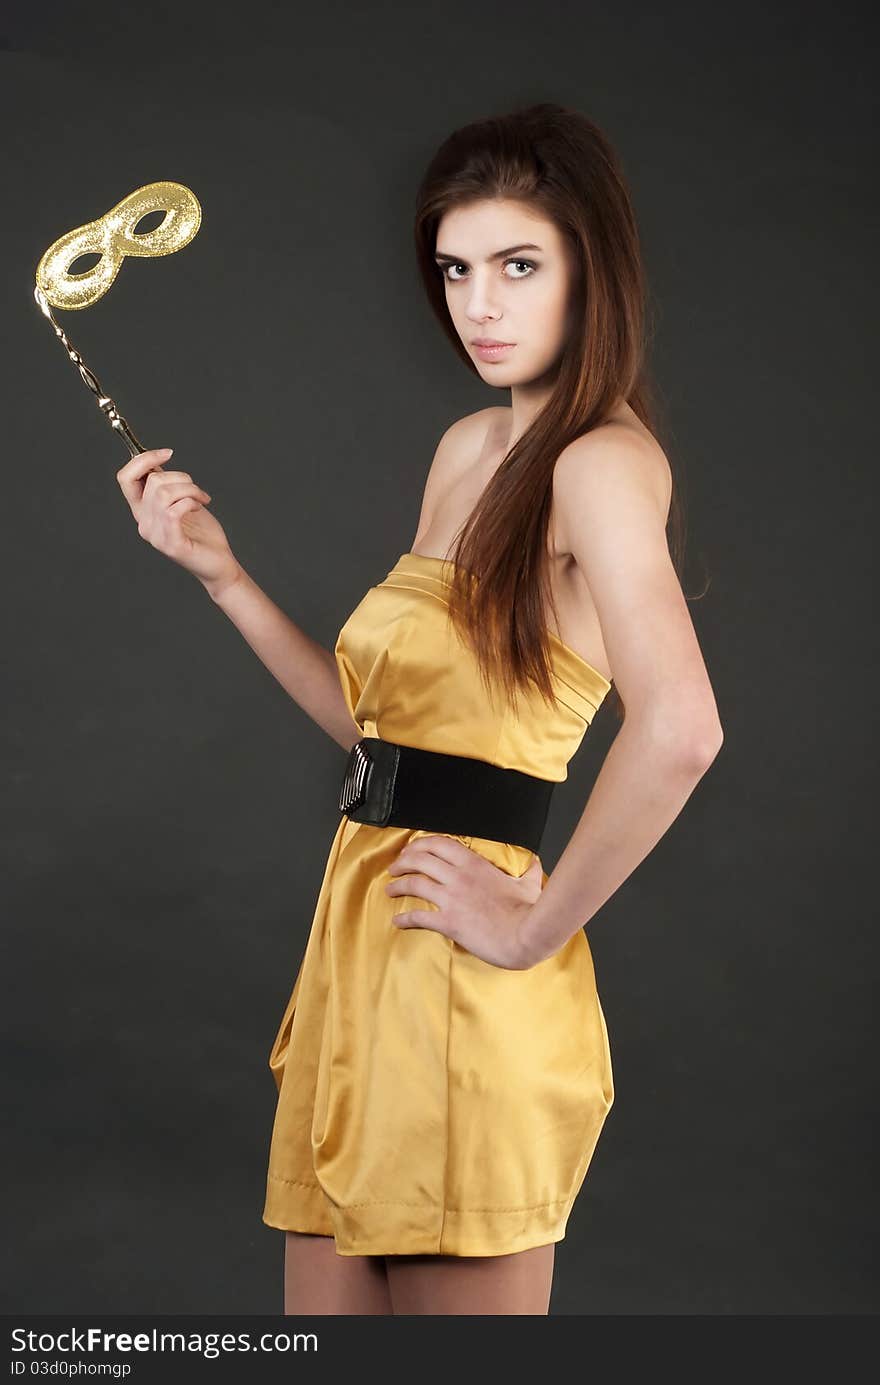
{"points": [[430, 1102]]}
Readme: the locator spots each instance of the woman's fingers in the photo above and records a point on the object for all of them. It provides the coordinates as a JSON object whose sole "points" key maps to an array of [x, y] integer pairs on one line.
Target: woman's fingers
{"points": [[173, 491], [170, 501], [130, 476]]}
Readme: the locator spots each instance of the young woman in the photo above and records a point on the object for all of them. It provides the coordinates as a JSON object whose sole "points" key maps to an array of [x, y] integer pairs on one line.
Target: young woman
{"points": [[443, 1065]]}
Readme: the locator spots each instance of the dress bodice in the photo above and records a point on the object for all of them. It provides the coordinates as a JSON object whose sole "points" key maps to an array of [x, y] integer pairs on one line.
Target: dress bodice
{"points": [[408, 677]]}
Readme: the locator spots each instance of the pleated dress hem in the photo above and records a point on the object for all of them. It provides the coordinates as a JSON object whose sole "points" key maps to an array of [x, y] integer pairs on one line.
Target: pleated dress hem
{"points": [[428, 1230]]}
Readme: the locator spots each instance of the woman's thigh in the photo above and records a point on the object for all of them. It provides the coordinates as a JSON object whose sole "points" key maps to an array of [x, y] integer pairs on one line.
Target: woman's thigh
{"points": [[317, 1279], [478, 1284]]}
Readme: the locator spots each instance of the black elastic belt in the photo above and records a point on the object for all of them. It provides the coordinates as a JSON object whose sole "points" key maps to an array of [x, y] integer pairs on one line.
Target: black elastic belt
{"points": [[392, 785]]}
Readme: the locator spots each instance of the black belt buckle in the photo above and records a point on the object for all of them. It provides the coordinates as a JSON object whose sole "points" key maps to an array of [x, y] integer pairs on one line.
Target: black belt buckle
{"points": [[368, 783]]}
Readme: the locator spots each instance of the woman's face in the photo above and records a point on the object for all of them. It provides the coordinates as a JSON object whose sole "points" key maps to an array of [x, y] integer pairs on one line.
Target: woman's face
{"points": [[509, 275]]}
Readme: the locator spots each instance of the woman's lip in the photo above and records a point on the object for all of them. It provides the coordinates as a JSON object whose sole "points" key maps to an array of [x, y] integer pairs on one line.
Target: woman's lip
{"points": [[491, 353]]}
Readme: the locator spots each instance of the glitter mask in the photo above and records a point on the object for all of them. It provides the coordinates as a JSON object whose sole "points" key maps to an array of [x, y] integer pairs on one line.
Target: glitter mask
{"points": [[112, 237]]}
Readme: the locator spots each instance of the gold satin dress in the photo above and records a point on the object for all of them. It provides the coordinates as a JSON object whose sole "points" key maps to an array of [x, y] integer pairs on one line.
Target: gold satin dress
{"points": [[430, 1102]]}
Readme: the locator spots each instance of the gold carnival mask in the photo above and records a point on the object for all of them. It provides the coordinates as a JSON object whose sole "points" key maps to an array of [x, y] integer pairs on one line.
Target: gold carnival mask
{"points": [[113, 237]]}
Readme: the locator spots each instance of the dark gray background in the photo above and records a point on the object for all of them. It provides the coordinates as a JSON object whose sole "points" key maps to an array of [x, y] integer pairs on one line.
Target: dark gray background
{"points": [[169, 808]]}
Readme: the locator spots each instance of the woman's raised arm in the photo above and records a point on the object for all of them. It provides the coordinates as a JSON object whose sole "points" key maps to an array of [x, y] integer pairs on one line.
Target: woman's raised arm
{"points": [[171, 514]]}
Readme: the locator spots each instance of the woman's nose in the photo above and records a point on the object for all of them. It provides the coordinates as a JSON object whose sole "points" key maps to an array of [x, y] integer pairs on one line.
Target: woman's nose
{"points": [[481, 306]]}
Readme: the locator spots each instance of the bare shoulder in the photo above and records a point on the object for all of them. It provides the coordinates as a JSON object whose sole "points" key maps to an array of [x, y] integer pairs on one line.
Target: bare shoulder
{"points": [[448, 486], [458, 448], [464, 440], [617, 453]]}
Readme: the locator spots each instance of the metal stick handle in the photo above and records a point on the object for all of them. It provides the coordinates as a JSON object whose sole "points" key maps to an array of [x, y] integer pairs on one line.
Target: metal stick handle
{"points": [[105, 403]]}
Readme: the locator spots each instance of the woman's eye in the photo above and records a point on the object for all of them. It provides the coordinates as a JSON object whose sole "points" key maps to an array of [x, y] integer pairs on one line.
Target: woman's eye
{"points": [[528, 264], [456, 279]]}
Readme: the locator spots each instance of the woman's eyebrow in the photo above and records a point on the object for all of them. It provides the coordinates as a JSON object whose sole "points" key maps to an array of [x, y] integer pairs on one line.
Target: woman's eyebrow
{"points": [[499, 254]]}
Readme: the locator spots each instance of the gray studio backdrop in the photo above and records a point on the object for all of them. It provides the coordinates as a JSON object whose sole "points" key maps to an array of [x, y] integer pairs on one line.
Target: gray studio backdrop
{"points": [[168, 809]]}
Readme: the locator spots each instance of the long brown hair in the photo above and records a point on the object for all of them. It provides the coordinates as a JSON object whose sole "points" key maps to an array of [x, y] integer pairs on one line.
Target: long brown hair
{"points": [[560, 163]]}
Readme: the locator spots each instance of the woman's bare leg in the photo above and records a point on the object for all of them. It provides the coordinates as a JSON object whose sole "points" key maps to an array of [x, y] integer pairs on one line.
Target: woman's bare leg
{"points": [[478, 1284], [319, 1280]]}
